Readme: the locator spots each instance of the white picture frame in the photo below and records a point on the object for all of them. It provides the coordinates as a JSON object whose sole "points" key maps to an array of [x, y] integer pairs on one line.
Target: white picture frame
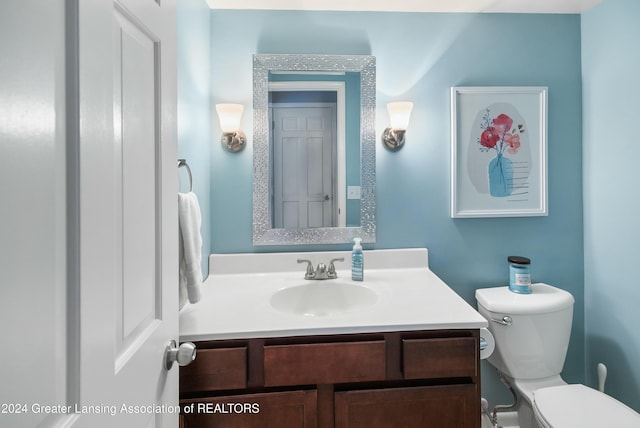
{"points": [[499, 151]]}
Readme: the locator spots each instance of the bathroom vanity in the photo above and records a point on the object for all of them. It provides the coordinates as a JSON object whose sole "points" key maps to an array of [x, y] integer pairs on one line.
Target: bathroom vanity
{"points": [[409, 357]]}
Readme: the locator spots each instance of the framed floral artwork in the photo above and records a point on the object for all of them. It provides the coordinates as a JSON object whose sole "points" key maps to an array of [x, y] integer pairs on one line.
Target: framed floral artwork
{"points": [[498, 151]]}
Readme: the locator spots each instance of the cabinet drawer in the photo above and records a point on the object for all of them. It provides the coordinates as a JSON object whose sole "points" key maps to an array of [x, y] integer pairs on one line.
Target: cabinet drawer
{"points": [[439, 357], [322, 363], [215, 369]]}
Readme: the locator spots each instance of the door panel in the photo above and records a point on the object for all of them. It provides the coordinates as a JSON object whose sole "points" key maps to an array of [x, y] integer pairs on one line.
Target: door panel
{"points": [[135, 122]]}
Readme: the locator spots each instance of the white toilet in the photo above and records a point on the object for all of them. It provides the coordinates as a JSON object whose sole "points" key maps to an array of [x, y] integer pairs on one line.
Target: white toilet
{"points": [[531, 334]]}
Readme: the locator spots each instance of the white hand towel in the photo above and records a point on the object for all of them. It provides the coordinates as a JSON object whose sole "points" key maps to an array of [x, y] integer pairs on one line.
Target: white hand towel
{"points": [[190, 244]]}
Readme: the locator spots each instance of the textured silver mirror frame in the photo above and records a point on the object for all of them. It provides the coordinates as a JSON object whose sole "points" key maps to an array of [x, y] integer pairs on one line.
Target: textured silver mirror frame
{"points": [[263, 233]]}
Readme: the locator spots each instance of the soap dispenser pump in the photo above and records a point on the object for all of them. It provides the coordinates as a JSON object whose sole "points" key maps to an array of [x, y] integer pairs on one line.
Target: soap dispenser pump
{"points": [[357, 261]]}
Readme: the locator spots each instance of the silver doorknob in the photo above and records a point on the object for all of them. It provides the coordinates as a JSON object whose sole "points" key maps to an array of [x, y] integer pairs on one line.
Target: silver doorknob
{"points": [[183, 354]]}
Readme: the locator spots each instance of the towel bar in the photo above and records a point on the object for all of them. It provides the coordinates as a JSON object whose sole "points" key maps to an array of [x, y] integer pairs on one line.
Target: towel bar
{"points": [[183, 162]]}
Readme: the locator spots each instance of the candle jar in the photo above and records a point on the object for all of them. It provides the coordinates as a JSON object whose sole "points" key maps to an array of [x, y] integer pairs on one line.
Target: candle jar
{"points": [[519, 274]]}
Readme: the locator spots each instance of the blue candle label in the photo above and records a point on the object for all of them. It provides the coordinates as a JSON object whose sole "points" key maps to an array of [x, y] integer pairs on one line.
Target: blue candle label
{"points": [[522, 279]]}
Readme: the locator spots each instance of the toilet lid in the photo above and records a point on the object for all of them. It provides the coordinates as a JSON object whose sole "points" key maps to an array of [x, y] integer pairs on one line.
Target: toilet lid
{"points": [[580, 406]]}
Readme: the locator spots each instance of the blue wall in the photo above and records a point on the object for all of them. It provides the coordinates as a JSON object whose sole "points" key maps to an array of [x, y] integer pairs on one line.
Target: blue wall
{"points": [[194, 112], [419, 57], [611, 90]]}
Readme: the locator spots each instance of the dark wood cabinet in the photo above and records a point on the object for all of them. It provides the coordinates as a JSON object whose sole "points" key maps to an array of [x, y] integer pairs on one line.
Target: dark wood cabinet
{"points": [[324, 363], [427, 406], [221, 368], [397, 379], [290, 409]]}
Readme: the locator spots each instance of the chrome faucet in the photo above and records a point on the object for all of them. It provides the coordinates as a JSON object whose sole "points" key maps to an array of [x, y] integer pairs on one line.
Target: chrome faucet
{"points": [[321, 272]]}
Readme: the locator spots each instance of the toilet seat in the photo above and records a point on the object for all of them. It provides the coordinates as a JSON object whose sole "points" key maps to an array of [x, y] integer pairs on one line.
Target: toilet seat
{"points": [[570, 406]]}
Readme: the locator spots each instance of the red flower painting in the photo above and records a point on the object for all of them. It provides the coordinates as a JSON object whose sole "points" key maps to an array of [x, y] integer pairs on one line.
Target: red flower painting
{"points": [[499, 134]]}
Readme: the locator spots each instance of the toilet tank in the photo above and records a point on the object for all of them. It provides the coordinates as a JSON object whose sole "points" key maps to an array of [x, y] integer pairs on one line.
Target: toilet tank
{"points": [[532, 342]]}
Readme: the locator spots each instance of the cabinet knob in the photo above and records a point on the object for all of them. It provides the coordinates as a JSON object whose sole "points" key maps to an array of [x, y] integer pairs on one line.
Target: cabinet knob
{"points": [[183, 354]]}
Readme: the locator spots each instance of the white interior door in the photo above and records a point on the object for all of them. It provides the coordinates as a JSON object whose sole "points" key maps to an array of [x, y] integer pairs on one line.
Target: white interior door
{"points": [[303, 162], [128, 213], [88, 263], [33, 281]]}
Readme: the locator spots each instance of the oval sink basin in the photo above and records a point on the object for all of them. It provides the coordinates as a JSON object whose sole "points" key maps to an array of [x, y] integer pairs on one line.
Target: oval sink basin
{"points": [[318, 298]]}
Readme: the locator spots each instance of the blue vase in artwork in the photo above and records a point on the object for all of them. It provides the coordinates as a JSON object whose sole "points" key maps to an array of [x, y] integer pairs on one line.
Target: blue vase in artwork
{"points": [[500, 176]]}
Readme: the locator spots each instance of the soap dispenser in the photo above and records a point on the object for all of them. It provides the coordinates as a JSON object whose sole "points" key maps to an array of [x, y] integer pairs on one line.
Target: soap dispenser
{"points": [[357, 261]]}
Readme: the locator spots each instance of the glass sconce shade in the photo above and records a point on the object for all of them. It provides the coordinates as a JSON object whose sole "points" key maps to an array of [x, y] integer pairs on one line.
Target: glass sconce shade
{"points": [[229, 115], [399, 115]]}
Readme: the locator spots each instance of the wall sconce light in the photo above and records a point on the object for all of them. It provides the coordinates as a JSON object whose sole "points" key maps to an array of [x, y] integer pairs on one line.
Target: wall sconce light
{"points": [[399, 114], [233, 139]]}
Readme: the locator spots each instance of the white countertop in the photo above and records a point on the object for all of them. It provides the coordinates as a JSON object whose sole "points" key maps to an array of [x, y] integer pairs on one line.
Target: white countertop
{"points": [[237, 305]]}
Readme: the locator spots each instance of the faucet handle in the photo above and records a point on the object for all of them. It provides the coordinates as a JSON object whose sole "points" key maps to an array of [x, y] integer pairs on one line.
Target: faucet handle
{"points": [[332, 268], [310, 273]]}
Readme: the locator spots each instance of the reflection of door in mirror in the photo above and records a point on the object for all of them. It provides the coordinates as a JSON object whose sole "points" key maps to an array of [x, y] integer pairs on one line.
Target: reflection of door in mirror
{"points": [[304, 154], [308, 174], [352, 79]]}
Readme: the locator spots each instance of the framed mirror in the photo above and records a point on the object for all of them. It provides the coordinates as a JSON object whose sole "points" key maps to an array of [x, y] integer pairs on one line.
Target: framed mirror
{"points": [[313, 149]]}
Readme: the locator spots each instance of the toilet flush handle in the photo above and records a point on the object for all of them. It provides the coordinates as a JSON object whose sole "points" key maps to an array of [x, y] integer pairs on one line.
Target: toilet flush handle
{"points": [[506, 320]]}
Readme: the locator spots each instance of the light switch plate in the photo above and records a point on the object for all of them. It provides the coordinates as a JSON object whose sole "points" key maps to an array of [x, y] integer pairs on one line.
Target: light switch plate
{"points": [[353, 192]]}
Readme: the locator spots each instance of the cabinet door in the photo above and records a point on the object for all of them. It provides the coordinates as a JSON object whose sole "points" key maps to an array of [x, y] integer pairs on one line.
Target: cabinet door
{"points": [[451, 406], [292, 409]]}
